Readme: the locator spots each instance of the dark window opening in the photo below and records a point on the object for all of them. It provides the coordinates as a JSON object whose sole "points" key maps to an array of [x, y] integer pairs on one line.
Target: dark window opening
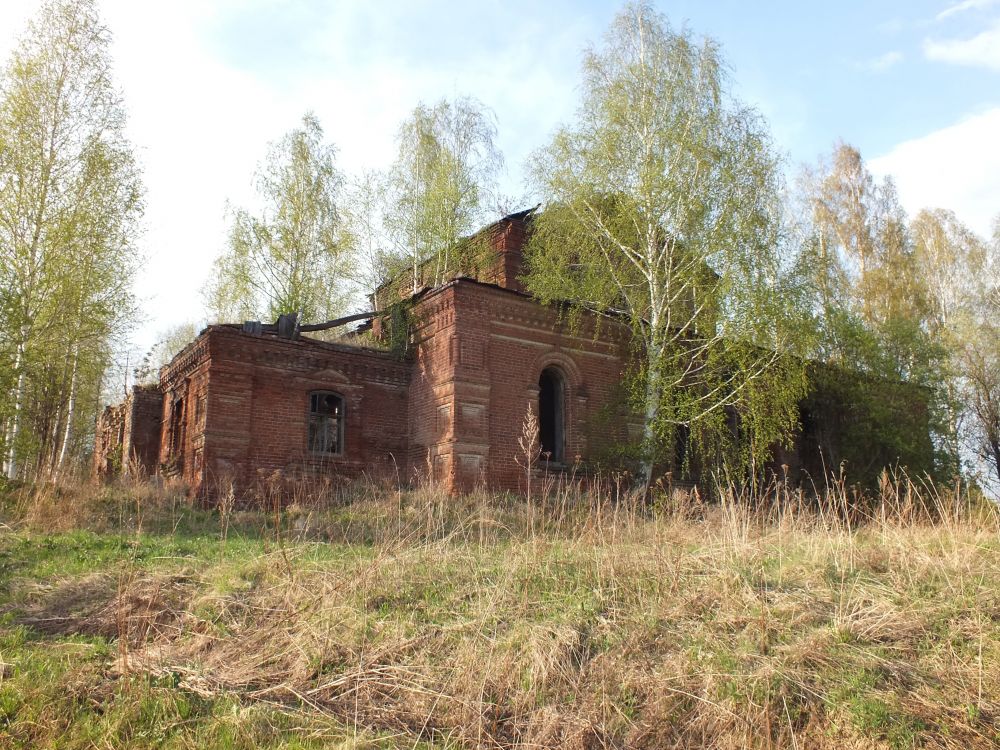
{"points": [[735, 424], [682, 445], [177, 428], [326, 423], [551, 414], [808, 423]]}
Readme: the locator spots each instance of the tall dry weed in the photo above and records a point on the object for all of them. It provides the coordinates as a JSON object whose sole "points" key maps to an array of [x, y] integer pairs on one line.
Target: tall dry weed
{"points": [[596, 616]]}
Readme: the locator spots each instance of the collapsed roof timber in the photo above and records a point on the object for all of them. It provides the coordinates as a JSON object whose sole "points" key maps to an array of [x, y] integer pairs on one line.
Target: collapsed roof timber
{"points": [[246, 403]]}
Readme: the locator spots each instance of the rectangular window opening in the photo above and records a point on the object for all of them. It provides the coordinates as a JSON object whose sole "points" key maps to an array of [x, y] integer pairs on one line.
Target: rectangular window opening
{"points": [[326, 424]]}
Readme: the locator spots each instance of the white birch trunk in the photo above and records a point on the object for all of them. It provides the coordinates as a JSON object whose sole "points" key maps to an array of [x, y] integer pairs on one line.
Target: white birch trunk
{"points": [[654, 353], [70, 411], [14, 433], [652, 407]]}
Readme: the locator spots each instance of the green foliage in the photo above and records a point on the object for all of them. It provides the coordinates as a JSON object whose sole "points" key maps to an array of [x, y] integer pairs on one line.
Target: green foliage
{"points": [[296, 256], [473, 257], [71, 200], [977, 366], [960, 273], [890, 303], [438, 187], [864, 423], [398, 323], [663, 215]]}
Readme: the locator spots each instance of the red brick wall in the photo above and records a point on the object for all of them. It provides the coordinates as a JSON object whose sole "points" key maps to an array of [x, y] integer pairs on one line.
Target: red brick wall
{"points": [[478, 357], [128, 434], [493, 255], [109, 438], [509, 242], [453, 412], [184, 384], [142, 428], [252, 421], [431, 402]]}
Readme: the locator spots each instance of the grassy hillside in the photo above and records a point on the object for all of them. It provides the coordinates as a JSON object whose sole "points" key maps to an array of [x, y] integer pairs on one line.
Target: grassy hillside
{"points": [[371, 618]]}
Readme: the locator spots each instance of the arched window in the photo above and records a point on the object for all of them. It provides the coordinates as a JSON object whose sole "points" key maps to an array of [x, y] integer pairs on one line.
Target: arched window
{"points": [[552, 414], [326, 423]]}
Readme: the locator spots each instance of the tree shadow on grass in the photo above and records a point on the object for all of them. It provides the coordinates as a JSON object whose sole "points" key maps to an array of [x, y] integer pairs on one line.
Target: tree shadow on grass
{"points": [[138, 607]]}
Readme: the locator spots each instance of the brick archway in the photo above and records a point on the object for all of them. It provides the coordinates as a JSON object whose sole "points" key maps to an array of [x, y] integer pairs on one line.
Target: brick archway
{"points": [[561, 361], [555, 388]]}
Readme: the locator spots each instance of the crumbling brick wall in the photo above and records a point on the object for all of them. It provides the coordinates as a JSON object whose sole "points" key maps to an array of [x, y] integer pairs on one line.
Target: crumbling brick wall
{"points": [[478, 357], [127, 437], [109, 439], [142, 429], [236, 410], [493, 255], [184, 384], [235, 405]]}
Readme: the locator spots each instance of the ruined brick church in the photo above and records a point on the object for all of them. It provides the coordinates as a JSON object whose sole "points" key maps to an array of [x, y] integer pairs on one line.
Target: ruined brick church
{"points": [[243, 403]]}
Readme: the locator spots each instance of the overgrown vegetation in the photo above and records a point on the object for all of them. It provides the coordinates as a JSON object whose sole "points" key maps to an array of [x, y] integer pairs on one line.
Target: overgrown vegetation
{"points": [[71, 204], [664, 211], [664, 207], [295, 256], [362, 616]]}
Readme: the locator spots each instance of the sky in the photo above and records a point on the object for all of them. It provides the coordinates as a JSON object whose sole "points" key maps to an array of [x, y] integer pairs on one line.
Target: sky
{"points": [[208, 84]]}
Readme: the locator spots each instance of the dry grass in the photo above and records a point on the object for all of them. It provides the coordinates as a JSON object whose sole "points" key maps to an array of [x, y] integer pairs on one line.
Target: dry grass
{"points": [[585, 621]]}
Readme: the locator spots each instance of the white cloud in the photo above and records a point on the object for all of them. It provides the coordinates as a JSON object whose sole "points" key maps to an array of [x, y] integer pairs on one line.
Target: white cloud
{"points": [[882, 62], [957, 167], [982, 50], [962, 6]]}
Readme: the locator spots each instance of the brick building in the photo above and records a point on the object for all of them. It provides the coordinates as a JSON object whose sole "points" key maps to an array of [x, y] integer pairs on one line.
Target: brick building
{"points": [[242, 403]]}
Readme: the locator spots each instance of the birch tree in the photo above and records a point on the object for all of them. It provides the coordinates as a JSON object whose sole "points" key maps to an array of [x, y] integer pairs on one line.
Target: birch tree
{"points": [[874, 307], [959, 271], [662, 210], [294, 255], [364, 215], [980, 362], [977, 361], [952, 262], [861, 241], [70, 205], [439, 186]]}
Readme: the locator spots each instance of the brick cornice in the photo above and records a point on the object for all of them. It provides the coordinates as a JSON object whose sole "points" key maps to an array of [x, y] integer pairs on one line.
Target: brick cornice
{"points": [[305, 357], [185, 363]]}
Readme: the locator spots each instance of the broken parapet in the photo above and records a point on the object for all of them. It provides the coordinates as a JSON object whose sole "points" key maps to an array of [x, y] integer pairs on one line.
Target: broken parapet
{"points": [[127, 439], [289, 327]]}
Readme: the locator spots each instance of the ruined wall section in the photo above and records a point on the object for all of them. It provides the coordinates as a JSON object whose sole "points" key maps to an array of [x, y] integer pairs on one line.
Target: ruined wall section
{"points": [[431, 406], [500, 344], [109, 441], [256, 412], [508, 240], [127, 437], [142, 429], [184, 385], [493, 255]]}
